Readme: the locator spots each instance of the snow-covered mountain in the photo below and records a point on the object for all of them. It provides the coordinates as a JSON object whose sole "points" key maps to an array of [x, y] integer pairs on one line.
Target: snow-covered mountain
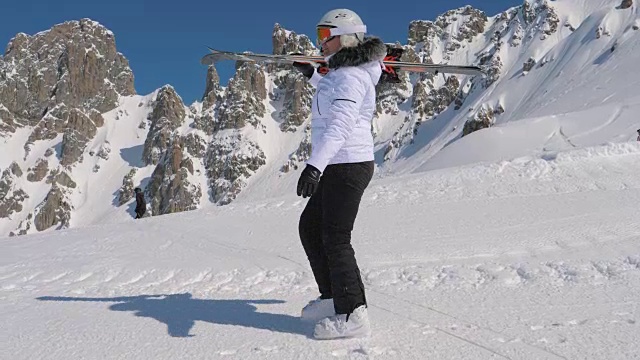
{"points": [[77, 139]]}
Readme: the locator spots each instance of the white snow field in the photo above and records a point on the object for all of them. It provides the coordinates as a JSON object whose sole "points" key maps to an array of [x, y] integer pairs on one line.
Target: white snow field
{"points": [[532, 258]]}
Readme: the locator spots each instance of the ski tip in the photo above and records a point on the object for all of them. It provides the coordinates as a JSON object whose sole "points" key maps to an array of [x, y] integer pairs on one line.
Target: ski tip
{"points": [[207, 60]]}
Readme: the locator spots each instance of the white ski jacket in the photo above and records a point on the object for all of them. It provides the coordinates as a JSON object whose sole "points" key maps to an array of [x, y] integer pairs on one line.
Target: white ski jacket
{"points": [[344, 104]]}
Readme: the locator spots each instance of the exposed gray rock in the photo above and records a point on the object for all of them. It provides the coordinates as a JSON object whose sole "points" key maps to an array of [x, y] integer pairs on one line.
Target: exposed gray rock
{"points": [[288, 42], [427, 104], [50, 125], [492, 68], [531, 11], [518, 34], [54, 210], [212, 90], [104, 151], [15, 169], [61, 178], [243, 101], [625, 4], [39, 171], [12, 204], [170, 190], [528, 12], [80, 129], [473, 25], [168, 114], [230, 161], [126, 190], [291, 88], [551, 21], [212, 97], [296, 107], [96, 117], [428, 33], [7, 122], [483, 119], [195, 145], [11, 197], [75, 63], [6, 182], [421, 31], [528, 65], [600, 32], [568, 25]]}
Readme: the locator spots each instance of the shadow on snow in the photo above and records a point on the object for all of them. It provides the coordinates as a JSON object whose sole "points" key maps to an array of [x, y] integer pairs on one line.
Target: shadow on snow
{"points": [[180, 312]]}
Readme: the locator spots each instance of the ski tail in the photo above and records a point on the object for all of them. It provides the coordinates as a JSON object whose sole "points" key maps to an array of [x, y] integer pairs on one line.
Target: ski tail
{"points": [[389, 73]]}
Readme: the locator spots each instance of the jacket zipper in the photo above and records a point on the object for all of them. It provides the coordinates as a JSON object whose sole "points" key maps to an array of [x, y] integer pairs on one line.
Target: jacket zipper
{"points": [[318, 104]]}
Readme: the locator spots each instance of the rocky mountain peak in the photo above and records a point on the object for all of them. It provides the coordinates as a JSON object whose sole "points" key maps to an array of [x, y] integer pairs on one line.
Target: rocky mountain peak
{"points": [[244, 99], [58, 83], [287, 42], [291, 88], [458, 24], [212, 88], [75, 63], [167, 115]]}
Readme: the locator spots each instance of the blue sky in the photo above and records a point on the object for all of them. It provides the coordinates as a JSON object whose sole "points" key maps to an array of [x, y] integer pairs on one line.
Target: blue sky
{"points": [[164, 40]]}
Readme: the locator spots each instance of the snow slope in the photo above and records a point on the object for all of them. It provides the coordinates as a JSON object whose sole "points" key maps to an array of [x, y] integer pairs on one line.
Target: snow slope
{"points": [[125, 140], [580, 92], [543, 136], [533, 258]]}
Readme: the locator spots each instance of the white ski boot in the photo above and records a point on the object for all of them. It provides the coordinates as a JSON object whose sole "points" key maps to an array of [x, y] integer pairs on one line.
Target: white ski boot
{"points": [[338, 326], [317, 309]]}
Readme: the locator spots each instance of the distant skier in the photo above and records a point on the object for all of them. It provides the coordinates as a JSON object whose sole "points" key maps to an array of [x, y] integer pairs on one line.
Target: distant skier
{"points": [[638, 135], [141, 205], [339, 170]]}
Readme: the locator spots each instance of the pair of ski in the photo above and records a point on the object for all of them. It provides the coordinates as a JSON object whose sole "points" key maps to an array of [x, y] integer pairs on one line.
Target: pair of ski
{"points": [[391, 61]]}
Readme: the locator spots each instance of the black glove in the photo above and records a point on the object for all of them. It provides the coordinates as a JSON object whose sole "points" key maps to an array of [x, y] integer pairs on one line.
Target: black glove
{"points": [[308, 182], [305, 68]]}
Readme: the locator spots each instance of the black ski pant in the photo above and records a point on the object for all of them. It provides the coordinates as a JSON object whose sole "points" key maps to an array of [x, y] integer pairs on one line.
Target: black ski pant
{"points": [[325, 231]]}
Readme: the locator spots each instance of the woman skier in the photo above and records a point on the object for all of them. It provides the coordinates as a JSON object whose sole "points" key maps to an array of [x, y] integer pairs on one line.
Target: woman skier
{"points": [[339, 170]]}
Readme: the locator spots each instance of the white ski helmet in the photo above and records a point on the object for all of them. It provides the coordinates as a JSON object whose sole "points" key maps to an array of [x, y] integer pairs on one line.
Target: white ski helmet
{"points": [[347, 24]]}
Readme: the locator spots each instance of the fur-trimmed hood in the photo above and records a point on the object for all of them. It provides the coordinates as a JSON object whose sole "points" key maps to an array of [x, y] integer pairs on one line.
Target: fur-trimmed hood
{"points": [[371, 49]]}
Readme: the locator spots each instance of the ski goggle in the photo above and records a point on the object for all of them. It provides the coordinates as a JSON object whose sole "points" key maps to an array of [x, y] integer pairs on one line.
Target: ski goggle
{"points": [[325, 34]]}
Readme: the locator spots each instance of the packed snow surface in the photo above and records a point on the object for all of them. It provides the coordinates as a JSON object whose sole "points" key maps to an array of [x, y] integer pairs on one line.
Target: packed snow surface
{"points": [[532, 258]]}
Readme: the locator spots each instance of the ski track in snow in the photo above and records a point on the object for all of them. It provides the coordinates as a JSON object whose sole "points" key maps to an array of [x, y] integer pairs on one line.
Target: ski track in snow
{"points": [[385, 286], [396, 278]]}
